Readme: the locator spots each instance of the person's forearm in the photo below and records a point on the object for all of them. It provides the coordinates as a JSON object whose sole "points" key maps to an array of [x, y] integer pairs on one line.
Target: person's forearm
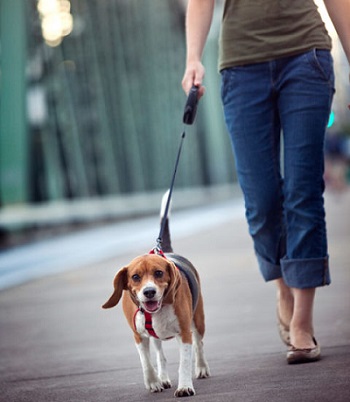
{"points": [[198, 20], [339, 12]]}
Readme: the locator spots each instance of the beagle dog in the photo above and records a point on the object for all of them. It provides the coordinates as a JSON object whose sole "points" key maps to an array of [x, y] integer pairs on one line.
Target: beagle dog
{"points": [[161, 300]]}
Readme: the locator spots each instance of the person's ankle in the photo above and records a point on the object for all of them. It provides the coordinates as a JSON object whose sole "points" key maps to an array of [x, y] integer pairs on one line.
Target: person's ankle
{"points": [[301, 337]]}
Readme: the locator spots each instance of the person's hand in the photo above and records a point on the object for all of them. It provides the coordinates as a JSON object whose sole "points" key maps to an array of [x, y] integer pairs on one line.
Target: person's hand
{"points": [[194, 75]]}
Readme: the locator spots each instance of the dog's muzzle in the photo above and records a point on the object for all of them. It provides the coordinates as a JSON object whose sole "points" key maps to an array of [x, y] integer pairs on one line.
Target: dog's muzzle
{"points": [[149, 303]]}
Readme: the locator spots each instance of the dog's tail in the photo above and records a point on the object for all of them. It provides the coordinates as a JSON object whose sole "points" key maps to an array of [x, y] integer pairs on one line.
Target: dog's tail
{"points": [[166, 240]]}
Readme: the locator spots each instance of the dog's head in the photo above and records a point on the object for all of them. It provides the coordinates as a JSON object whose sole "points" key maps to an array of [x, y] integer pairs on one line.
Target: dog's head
{"points": [[151, 280]]}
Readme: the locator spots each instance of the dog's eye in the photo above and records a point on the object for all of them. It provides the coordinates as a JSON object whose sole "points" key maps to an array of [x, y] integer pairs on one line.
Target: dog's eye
{"points": [[158, 274], [136, 278]]}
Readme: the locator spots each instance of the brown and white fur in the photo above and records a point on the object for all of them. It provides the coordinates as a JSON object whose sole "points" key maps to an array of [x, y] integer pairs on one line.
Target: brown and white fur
{"points": [[154, 284]]}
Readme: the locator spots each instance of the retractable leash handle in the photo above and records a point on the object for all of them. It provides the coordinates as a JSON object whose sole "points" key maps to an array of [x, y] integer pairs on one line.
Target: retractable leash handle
{"points": [[191, 106], [188, 118]]}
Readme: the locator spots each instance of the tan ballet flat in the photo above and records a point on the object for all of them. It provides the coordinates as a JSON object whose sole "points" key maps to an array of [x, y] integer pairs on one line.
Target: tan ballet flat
{"points": [[296, 356]]}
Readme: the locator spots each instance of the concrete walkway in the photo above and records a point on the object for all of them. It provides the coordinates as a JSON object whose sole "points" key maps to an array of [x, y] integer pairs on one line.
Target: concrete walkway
{"points": [[57, 344]]}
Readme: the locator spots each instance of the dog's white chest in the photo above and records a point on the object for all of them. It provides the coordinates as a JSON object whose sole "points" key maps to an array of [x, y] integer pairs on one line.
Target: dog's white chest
{"points": [[164, 323]]}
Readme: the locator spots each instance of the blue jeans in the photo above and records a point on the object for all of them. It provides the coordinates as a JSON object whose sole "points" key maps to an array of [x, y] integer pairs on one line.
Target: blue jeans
{"points": [[284, 201]]}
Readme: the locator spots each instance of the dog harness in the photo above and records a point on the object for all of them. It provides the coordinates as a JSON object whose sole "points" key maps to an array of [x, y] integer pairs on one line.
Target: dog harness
{"points": [[183, 266], [148, 322]]}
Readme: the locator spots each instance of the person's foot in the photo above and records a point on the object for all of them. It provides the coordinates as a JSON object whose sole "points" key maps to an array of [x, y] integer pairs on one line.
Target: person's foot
{"points": [[301, 324], [294, 312], [305, 355]]}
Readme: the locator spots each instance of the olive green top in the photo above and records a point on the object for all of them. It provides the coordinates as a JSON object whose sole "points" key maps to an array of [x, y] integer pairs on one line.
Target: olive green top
{"points": [[255, 31]]}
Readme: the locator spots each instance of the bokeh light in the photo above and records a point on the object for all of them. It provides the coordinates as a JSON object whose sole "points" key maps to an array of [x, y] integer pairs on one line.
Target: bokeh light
{"points": [[56, 20]]}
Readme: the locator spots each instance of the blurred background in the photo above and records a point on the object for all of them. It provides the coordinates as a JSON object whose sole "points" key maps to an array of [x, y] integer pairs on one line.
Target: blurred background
{"points": [[91, 111]]}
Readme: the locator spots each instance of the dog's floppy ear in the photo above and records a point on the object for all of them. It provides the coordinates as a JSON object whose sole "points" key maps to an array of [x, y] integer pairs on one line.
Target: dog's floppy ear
{"points": [[120, 284], [175, 280]]}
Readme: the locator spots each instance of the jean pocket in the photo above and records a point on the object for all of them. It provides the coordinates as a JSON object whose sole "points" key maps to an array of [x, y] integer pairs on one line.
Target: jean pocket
{"points": [[322, 62], [226, 79], [231, 78]]}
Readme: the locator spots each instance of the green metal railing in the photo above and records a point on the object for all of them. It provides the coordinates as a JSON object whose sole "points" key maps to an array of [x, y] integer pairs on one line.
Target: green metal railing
{"points": [[14, 142]]}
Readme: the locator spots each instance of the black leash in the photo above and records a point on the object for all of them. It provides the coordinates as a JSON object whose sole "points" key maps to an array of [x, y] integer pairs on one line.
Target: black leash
{"points": [[188, 118]]}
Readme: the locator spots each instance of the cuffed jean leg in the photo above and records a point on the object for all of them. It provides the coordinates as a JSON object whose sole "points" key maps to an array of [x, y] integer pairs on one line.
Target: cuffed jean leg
{"points": [[306, 272]]}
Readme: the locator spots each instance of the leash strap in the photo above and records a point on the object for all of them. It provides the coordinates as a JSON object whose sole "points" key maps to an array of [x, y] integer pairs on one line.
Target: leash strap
{"points": [[161, 232], [188, 118]]}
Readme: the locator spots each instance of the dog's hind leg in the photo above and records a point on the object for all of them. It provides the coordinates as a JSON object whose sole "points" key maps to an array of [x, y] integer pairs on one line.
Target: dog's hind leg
{"points": [[201, 364], [150, 377], [161, 364]]}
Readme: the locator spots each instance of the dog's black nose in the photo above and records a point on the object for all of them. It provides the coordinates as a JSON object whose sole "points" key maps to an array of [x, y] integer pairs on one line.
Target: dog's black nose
{"points": [[149, 293]]}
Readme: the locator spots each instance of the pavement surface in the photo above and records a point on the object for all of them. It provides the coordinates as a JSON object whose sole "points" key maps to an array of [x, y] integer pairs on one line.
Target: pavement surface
{"points": [[57, 344]]}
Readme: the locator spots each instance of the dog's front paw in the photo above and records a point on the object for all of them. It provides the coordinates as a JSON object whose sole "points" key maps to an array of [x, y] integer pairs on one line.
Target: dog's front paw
{"points": [[203, 371], [166, 384], [155, 386], [185, 391], [153, 383]]}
